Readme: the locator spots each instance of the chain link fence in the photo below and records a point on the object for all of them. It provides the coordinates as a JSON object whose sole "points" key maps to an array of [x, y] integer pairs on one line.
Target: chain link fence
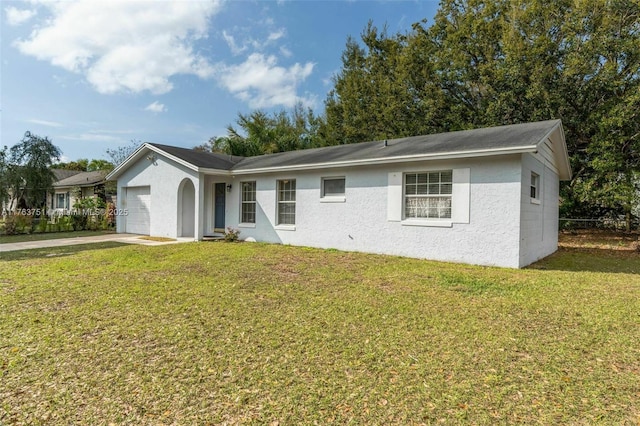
{"points": [[603, 223]]}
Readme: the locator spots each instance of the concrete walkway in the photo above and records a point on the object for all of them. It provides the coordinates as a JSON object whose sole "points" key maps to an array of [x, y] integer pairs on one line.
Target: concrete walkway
{"points": [[120, 238]]}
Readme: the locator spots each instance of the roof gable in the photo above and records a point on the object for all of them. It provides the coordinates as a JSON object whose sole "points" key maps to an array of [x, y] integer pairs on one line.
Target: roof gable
{"points": [[192, 159], [208, 160]]}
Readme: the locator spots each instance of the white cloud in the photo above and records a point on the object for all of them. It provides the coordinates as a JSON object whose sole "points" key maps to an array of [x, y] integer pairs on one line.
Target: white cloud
{"points": [[328, 78], [231, 42], [285, 52], [44, 122], [124, 46], [247, 41], [276, 35], [92, 137], [109, 131], [262, 83], [134, 46], [156, 107], [101, 134], [17, 16]]}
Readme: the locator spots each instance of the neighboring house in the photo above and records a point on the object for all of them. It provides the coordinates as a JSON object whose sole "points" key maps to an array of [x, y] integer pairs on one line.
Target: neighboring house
{"points": [[61, 174], [487, 196], [13, 204], [90, 185]]}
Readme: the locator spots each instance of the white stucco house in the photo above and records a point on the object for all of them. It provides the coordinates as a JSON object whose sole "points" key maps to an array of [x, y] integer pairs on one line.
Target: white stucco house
{"points": [[486, 196]]}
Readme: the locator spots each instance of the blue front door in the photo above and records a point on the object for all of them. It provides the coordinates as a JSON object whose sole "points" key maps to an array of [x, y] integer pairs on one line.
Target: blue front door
{"points": [[219, 205]]}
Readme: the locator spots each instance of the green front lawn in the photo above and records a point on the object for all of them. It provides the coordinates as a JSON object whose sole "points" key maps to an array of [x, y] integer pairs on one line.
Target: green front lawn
{"points": [[21, 238], [61, 251], [215, 333]]}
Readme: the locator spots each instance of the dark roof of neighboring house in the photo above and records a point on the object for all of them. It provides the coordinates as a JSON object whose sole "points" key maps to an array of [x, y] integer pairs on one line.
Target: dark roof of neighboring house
{"points": [[63, 174], [485, 139], [209, 160], [83, 179]]}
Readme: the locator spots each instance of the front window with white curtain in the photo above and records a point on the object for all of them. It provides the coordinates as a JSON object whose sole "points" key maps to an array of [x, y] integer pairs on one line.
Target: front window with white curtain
{"points": [[428, 195]]}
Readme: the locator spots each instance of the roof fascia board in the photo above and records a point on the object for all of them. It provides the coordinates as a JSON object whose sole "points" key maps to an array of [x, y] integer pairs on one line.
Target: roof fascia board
{"points": [[173, 157], [549, 133], [135, 157], [84, 185], [556, 130], [390, 160], [215, 171], [565, 152], [125, 164], [563, 162]]}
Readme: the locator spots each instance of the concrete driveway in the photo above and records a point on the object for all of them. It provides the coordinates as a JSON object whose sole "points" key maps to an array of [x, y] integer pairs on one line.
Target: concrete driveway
{"points": [[121, 238]]}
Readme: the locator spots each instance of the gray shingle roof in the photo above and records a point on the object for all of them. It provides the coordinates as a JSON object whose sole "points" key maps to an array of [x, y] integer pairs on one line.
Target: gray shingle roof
{"points": [[485, 139], [83, 179], [63, 174], [208, 160], [490, 138], [514, 138]]}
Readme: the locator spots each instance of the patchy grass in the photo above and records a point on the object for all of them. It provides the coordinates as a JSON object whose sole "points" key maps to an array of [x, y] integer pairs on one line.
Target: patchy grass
{"points": [[159, 239], [205, 333], [56, 251], [595, 251], [599, 239], [21, 238]]}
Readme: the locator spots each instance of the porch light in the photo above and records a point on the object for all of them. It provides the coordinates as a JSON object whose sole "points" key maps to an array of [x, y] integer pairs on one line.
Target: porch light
{"points": [[228, 187]]}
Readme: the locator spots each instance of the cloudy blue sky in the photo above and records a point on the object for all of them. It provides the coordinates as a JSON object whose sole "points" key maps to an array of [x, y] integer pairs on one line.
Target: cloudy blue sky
{"points": [[96, 74]]}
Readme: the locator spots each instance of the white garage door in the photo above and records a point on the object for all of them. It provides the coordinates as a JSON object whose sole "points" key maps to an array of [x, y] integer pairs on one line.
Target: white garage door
{"points": [[138, 204]]}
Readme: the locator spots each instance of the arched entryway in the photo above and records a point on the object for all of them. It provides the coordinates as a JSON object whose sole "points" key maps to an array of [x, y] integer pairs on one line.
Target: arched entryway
{"points": [[186, 208]]}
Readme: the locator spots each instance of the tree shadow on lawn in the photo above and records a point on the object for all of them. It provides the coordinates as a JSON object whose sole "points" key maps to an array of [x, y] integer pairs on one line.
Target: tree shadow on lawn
{"points": [[580, 259], [57, 251]]}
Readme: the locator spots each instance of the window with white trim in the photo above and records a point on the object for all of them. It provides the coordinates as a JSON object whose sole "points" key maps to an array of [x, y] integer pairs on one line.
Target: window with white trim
{"points": [[333, 187], [535, 186], [428, 195], [286, 202], [248, 202]]}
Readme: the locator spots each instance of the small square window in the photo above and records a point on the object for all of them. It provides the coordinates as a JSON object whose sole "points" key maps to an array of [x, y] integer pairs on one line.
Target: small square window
{"points": [[535, 186], [333, 187]]}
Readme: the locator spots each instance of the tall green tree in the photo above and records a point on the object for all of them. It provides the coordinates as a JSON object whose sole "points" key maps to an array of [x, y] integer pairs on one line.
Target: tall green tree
{"points": [[84, 165], [121, 153], [214, 144], [29, 172], [484, 63], [4, 177], [602, 78], [79, 165], [259, 133], [99, 164], [373, 95]]}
